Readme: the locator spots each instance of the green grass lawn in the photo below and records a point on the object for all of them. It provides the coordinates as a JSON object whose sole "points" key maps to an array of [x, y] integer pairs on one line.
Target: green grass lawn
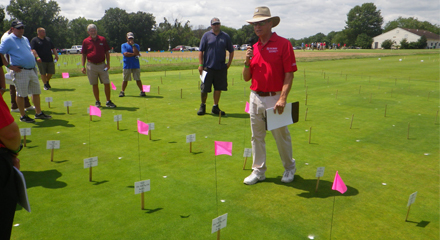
{"points": [[380, 165]]}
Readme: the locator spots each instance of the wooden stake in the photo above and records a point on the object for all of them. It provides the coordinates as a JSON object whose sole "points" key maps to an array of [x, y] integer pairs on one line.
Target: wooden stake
{"points": [[90, 117], [90, 174], [158, 90], [305, 117], [306, 98], [68, 108], [142, 201], [244, 165], [407, 213], [351, 124], [310, 135], [117, 125], [218, 234], [190, 147], [149, 133], [385, 115], [407, 137], [48, 103], [51, 155], [317, 184]]}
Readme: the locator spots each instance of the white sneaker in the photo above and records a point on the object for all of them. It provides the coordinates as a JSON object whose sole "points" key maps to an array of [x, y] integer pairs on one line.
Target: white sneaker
{"points": [[29, 108], [253, 178], [15, 110], [288, 176]]}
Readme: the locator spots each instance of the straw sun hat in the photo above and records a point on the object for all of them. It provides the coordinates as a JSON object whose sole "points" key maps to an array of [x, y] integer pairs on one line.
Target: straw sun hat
{"points": [[262, 14]]}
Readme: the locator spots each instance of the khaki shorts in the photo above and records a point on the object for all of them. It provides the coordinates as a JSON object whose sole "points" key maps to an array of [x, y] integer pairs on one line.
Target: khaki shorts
{"points": [[26, 82], [46, 67], [136, 72], [95, 71]]}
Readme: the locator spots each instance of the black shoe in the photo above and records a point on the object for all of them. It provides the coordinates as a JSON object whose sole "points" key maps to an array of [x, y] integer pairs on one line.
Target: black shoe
{"points": [[98, 104], [27, 119], [142, 94], [215, 110], [41, 115], [202, 109], [46, 87], [110, 104], [122, 94]]}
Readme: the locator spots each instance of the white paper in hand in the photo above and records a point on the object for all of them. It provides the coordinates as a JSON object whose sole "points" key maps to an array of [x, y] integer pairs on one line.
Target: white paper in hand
{"points": [[202, 77], [276, 120]]}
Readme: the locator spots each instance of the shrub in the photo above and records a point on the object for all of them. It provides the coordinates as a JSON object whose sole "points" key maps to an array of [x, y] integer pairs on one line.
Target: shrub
{"points": [[387, 44]]}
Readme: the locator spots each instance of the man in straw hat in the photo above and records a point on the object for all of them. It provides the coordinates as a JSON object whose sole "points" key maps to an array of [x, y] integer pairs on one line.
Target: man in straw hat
{"points": [[270, 64]]}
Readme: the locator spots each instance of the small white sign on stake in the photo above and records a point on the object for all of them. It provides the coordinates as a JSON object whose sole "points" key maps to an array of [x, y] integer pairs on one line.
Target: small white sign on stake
{"points": [[190, 138], [150, 126], [49, 99], [53, 144], [320, 172], [219, 223], [142, 186], [67, 103], [90, 162], [412, 199], [117, 118], [247, 152], [25, 131]]}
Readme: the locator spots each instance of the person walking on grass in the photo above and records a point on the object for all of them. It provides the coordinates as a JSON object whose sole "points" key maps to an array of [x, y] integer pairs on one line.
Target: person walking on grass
{"points": [[130, 53], [43, 48], [212, 58], [96, 51], [23, 70], [270, 64]]}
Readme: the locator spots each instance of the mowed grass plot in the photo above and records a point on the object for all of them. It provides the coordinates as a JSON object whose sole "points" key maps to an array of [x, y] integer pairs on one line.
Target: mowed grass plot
{"points": [[379, 160]]}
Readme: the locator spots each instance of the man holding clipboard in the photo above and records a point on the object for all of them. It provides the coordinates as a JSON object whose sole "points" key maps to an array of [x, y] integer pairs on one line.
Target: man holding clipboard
{"points": [[270, 64]]}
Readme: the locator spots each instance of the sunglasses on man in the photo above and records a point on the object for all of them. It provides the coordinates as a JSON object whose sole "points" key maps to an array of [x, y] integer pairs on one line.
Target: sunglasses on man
{"points": [[19, 28], [260, 23]]}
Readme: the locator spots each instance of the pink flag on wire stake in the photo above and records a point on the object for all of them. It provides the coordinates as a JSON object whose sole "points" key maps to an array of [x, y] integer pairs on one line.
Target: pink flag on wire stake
{"points": [[146, 88], [113, 86], [246, 109], [338, 184], [223, 148], [65, 75], [142, 127], [95, 111]]}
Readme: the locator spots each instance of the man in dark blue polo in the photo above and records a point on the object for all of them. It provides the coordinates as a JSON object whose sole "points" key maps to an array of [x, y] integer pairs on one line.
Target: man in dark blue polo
{"points": [[212, 59]]}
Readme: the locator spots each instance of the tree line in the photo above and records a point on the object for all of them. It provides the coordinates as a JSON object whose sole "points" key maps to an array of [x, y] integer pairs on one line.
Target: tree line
{"points": [[363, 23]]}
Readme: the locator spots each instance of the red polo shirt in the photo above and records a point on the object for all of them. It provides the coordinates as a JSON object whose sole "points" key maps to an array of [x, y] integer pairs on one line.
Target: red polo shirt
{"points": [[270, 62], [95, 49], [5, 116]]}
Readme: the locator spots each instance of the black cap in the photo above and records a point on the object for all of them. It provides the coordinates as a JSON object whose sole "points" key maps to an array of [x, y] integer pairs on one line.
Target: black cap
{"points": [[17, 24]]}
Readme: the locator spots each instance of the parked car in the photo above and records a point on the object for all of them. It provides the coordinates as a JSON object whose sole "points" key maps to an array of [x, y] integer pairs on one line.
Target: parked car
{"points": [[61, 51], [74, 49], [236, 47], [192, 48], [244, 46], [179, 48]]}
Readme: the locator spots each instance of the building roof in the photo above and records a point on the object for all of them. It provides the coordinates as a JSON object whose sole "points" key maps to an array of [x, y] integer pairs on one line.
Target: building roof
{"points": [[420, 32]]}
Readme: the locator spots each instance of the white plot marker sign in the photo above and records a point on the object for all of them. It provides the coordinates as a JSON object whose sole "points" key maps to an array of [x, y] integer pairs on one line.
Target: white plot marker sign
{"points": [[141, 187], [150, 127], [89, 163], [319, 173], [117, 118], [49, 100], [247, 153], [52, 144], [219, 223], [25, 132], [67, 104], [411, 200], [190, 139]]}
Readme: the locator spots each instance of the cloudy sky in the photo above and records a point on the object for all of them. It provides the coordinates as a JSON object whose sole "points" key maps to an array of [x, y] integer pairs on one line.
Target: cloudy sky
{"points": [[298, 18]]}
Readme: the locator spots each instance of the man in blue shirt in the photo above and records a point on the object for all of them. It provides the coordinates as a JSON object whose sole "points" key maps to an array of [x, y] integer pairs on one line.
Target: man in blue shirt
{"points": [[130, 51], [23, 69], [212, 58]]}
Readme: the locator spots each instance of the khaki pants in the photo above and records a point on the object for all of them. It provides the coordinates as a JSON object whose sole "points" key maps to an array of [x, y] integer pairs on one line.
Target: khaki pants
{"points": [[257, 108]]}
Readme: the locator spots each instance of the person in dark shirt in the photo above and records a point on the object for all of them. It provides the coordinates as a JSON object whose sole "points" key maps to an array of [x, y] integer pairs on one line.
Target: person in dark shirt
{"points": [[43, 48]]}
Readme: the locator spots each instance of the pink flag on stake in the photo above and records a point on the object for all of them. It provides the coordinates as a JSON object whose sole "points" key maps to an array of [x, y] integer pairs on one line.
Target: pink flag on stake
{"points": [[223, 148], [246, 109], [142, 127], [146, 88], [65, 75], [338, 184], [95, 111], [113, 86]]}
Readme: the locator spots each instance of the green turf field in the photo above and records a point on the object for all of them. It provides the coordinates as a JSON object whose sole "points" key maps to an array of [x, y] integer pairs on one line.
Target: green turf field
{"points": [[380, 161]]}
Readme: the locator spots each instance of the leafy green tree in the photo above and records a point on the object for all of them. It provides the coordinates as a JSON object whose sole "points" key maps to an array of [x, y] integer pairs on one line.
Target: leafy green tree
{"points": [[387, 44], [115, 22], [412, 23], [2, 18], [141, 24], [363, 19], [422, 42], [340, 37], [364, 41], [404, 44]]}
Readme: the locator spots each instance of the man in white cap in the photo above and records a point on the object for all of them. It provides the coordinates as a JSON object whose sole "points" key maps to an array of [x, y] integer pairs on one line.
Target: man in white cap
{"points": [[212, 58], [130, 52], [270, 64]]}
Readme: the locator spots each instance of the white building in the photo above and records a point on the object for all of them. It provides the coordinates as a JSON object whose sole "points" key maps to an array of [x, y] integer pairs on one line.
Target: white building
{"points": [[411, 35]]}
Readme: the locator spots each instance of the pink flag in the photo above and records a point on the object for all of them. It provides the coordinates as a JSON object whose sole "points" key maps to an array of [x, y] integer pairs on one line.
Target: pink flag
{"points": [[246, 109], [65, 75], [146, 88], [223, 148], [95, 111], [113, 86], [338, 184], [142, 127]]}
